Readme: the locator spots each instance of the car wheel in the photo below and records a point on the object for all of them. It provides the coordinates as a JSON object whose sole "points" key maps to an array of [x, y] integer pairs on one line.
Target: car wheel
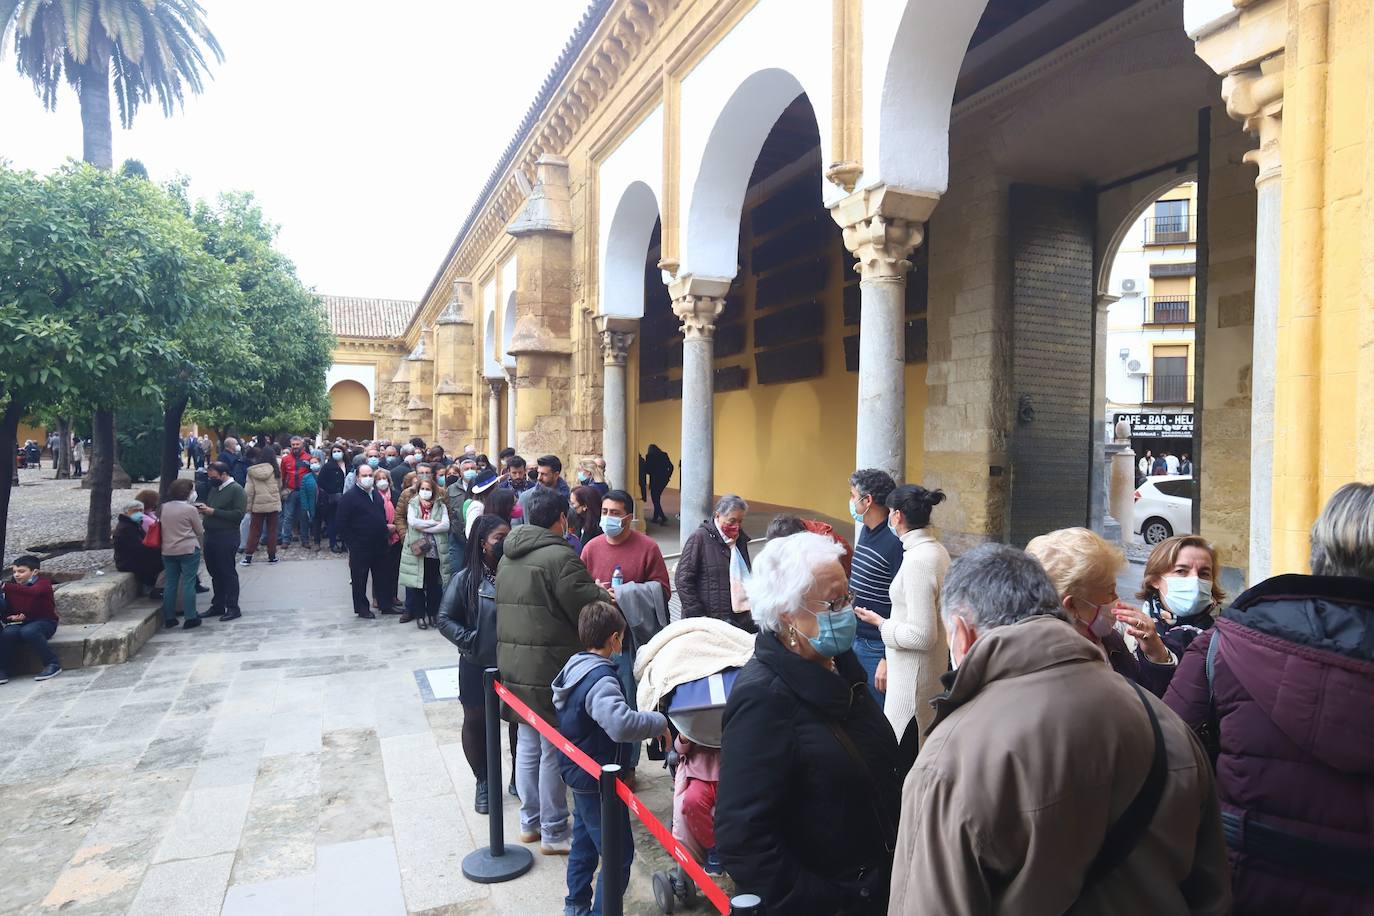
{"points": [[1156, 530]]}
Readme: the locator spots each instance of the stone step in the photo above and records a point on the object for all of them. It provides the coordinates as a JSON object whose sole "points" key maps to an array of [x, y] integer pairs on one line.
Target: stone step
{"points": [[96, 598], [83, 645]]}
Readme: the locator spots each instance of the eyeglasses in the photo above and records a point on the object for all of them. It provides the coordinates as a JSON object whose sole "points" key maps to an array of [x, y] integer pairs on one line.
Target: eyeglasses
{"points": [[842, 603]]}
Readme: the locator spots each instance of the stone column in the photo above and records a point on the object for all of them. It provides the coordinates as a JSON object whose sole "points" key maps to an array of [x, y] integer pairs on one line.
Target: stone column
{"points": [[453, 336], [881, 227], [1097, 472], [494, 417], [697, 302], [1254, 96], [512, 435], [542, 341], [1122, 499], [617, 334]]}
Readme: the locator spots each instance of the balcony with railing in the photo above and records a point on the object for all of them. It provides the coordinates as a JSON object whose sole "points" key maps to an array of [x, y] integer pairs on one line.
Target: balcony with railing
{"points": [[1171, 230], [1169, 309], [1168, 388]]}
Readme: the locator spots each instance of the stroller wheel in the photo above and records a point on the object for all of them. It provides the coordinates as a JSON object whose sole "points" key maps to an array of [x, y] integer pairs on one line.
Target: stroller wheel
{"points": [[663, 892]]}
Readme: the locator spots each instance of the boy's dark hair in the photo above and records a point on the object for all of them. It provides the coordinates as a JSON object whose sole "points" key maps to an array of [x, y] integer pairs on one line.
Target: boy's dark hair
{"points": [[551, 461], [32, 562], [597, 623], [505, 453], [620, 496], [784, 526], [543, 507], [873, 482]]}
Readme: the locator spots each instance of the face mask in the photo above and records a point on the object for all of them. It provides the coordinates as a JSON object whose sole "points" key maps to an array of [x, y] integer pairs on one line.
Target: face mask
{"points": [[892, 525], [412, 460], [612, 525], [384, 484], [136, 517], [365, 482], [582, 478], [836, 633], [442, 479], [426, 495], [469, 474], [498, 550], [1188, 595], [730, 531], [314, 465], [1103, 622], [338, 456], [855, 513], [373, 462]]}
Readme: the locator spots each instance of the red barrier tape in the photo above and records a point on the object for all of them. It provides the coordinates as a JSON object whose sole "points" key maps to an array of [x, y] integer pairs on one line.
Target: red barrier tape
{"points": [[637, 807]]}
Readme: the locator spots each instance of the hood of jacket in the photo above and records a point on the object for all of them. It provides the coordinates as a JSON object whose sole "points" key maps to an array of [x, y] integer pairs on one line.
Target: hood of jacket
{"points": [[1029, 645], [526, 539], [261, 472], [578, 667], [1303, 649]]}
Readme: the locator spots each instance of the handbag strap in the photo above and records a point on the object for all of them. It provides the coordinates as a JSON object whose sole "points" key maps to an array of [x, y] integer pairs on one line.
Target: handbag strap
{"points": [[1123, 835], [884, 821]]}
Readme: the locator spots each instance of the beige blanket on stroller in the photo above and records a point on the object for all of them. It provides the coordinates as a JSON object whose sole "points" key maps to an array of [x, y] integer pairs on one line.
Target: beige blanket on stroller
{"points": [[686, 650]]}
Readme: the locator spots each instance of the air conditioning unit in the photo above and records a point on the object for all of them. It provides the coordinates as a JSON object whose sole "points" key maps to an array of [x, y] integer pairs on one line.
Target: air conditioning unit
{"points": [[1128, 286], [1135, 367]]}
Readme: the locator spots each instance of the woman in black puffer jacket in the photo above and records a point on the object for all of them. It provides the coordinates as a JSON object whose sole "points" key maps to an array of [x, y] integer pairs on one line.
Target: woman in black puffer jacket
{"points": [[703, 572]]}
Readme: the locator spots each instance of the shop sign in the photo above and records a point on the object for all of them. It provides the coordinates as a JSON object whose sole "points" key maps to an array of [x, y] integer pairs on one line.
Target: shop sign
{"points": [[1157, 425]]}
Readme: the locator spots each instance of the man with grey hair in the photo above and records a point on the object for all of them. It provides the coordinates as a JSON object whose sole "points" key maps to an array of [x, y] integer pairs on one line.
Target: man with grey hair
{"points": [[1049, 783]]}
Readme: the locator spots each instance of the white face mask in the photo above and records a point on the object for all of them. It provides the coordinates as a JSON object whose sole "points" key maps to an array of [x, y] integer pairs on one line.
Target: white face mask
{"points": [[365, 482], [426, 495], [383, 484]]}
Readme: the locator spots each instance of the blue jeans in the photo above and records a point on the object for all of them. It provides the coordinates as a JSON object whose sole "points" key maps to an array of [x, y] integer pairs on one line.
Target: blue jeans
{"points": [[870, 652], [625, 673], [288, 515], [181, 573], [32, 633], [586, 851]]}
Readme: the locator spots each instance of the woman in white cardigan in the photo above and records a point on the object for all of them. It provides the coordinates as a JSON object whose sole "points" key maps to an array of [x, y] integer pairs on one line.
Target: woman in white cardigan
{"points": [[917, 649]]}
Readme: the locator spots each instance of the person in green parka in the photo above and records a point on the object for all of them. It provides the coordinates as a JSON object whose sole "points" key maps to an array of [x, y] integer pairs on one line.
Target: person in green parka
{"points": [[424, 556]]}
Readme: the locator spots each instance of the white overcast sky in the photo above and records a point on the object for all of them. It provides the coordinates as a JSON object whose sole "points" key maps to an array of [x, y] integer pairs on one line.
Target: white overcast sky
{"points": [[365, 129]]}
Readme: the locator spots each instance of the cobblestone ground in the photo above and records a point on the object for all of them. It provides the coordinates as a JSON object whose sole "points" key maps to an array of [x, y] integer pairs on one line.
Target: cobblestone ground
{"points": [[283, 763]]}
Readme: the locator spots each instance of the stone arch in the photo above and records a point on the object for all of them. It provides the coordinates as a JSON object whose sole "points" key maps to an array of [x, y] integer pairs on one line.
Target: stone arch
{"points": [[349, 400], [508, 332], [632, 226], [906, 115], [491, 368], [722, 179], [364, 375], [1163, 186]]}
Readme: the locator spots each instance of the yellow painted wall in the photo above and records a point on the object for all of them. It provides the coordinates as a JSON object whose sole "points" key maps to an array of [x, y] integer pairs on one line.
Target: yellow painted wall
{"points": [[348, 401]]}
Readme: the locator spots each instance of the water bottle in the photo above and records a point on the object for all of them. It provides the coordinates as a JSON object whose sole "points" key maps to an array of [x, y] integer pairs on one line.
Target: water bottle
{"points": [[617, 578]]}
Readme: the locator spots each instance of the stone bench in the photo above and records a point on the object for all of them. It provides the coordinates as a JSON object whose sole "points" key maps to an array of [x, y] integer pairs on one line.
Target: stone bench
{"points": [[103, 622], [95, 599]]}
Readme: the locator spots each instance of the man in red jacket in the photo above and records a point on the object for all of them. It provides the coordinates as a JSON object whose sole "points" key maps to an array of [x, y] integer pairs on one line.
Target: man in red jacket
{"points": [[293, 465], [30, 617]]}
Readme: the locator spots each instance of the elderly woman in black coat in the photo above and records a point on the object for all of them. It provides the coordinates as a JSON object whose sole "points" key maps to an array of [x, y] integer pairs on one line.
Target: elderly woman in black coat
{"points": [[703, 577], [806, 810], [129, 553]]}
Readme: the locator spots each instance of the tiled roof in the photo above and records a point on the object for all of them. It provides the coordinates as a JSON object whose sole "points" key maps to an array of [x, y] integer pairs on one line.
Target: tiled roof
{"points": [[350, 316]]}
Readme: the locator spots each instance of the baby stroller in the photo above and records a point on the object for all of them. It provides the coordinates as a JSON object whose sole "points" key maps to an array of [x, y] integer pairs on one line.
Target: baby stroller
{"points": [[695, 710]]}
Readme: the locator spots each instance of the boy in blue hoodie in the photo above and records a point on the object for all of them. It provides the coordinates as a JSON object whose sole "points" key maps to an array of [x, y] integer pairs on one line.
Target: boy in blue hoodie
{"points": [[593, 714]]}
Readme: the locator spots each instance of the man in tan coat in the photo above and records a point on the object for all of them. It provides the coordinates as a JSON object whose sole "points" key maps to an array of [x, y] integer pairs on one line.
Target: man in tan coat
{"points": [[1036, 751]]}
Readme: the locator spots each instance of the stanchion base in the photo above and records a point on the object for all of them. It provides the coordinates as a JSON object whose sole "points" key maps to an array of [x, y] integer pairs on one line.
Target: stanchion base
{"points": [[484, 868]]}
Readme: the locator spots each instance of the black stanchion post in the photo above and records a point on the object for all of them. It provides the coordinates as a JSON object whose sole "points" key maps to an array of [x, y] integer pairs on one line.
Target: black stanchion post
{"points": [[495, 863], [612, 812], [746, 905]]}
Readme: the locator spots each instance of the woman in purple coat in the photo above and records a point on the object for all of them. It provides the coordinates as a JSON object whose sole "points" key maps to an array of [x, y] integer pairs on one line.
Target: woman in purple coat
{"points": [[1285, 678]]}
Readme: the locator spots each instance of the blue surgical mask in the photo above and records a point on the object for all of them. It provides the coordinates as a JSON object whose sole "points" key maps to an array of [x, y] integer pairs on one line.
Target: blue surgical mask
{"points": [[855, 513], [373, 462], [612, 525], [338, 456], [469, 474], [836, 635], [136, 517], [1188, 596], [582, 477], [442, 479]]}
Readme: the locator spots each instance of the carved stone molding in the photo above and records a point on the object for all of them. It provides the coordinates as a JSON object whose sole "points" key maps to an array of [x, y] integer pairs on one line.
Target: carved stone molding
{"points": [[459, 309], [548, 208], [617, 334], [881, 226], [1254, 96], [419, 354], [697, 302], [495, 385]]}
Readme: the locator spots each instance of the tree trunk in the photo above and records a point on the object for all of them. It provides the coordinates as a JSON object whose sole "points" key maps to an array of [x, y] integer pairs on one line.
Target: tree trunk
{"points": [[9, 442], [97, 144], [98, 520], [64, 448], [171, 445]]}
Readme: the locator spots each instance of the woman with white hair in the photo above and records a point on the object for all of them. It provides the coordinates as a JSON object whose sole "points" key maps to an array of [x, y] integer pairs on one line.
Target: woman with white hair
{"points": [[1284, 681], [713, 555], [130, 553], [806, 811]]}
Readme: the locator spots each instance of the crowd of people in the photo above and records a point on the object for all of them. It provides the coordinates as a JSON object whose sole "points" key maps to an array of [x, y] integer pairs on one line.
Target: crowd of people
{"points": [[998, 733], [1166, 463]]}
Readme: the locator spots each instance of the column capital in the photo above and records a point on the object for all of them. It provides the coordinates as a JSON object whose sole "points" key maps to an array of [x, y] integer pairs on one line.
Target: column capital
{"points": [[495, 384], [1254, 97], [697, 302], [881, 226], [617, 334]]}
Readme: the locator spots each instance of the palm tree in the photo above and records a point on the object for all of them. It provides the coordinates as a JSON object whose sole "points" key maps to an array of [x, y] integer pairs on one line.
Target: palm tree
{"points": [[145, 47]]}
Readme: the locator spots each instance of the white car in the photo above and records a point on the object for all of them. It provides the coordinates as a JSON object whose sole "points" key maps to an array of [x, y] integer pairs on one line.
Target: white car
{"points": [[1163, 508]]}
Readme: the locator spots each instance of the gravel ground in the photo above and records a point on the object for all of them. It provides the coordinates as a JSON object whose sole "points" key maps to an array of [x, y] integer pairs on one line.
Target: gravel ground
{"points": [[46, 511]]}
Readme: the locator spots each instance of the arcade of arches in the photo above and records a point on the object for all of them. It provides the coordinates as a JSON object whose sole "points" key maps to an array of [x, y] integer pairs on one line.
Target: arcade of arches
{"points": [[780, 244]]}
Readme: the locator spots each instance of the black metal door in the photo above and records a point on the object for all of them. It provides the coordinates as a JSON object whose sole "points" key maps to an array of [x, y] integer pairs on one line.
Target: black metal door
{"points": [[1052, 359]]}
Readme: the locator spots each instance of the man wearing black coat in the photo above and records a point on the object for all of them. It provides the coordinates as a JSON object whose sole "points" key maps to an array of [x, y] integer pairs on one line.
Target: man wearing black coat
{"points": [[361, 525]]}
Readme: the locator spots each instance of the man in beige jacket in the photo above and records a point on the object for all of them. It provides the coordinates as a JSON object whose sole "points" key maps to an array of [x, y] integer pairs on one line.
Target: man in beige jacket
{"points": [[1036, 751]]}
